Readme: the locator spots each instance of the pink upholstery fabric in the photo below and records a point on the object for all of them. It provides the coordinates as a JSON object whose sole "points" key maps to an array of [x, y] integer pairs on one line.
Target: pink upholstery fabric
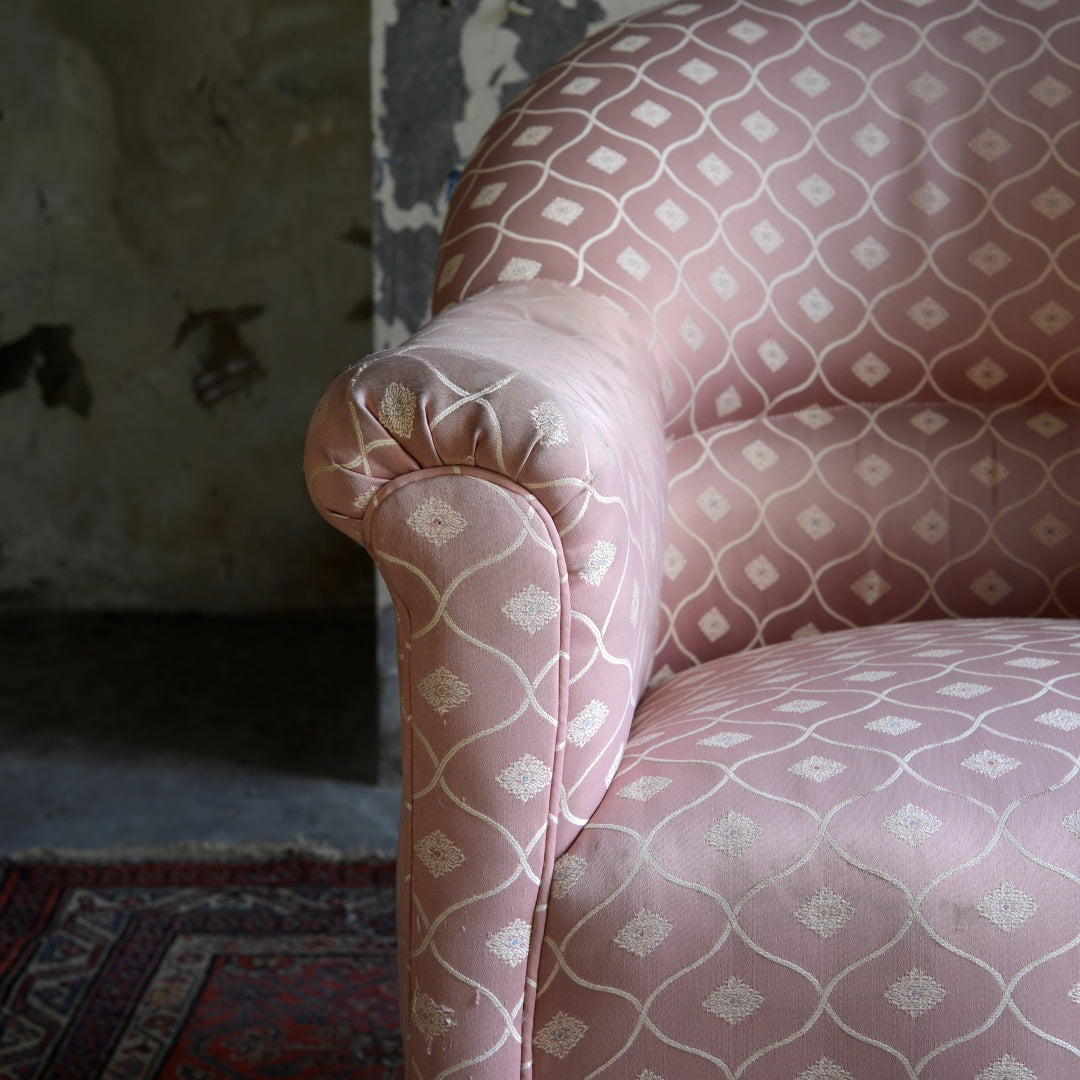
{"points": [[757, 321]]}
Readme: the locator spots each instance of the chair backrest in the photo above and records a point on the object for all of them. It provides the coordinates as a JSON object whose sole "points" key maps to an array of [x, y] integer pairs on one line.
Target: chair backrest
{"points": [[851, 236]]}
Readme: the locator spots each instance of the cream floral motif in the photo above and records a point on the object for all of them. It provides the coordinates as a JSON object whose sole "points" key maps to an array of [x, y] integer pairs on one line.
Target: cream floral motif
{"points": [[1006, 1068], [587, 722], [990, 587], [724, 283], [989, 145], [645, 788], [691, 333], [864, 36], [643, 933], [670, 214], [1050, 530], [713, 624], [811, 81], [870, 253], [1047, 425], [606, 160], [635, 604], [674, 562], [449, 271], [762, 573], [430, 1018], [531, 609], [725, 739], [733, 834], [916, 993], [1072, 823], [912, 824], [713, 505], [1032, 663], [534, 135], [648, 1074], [1062, 719], [989, 472], [931, 200], [870, 369], [562, 211], [800, 705], [759, 126], [397, 411], [816, 768], [526, 777], [550, 424], [727, 402], [634, 263], [869, 676], [1050, 92], [931, 527], [893, 725], [825, 1070], [871, 140], [439, 853], [714, 170], [511, 943], [927, 88], [991, 260], [870, 587], [815, 305], [443, 690], [733, 1001], [436, 521], [990, 764], [928, 421], [826, 912], [748, 32], [928, 313], [519, 269], [767, 237], [631, 43], [485, 197], [873, 469], [561, 1034], [599, 562], [566, 873], [1051, 318], [1074, 994], [984, 39], [1052, 203], [579, 87], [1007, 907], [651, 114], [964, 690]]}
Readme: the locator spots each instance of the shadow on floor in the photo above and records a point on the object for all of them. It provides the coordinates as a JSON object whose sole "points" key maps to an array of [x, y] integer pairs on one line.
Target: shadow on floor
{"points": [[294, 693]]}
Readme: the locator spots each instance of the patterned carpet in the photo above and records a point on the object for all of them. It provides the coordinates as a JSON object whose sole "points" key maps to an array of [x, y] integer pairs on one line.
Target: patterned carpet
{"points": [[198, 971]]}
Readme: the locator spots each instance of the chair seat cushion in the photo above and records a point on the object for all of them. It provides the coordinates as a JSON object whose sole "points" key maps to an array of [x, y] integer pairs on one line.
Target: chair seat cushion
{"points": [[850, 855]]}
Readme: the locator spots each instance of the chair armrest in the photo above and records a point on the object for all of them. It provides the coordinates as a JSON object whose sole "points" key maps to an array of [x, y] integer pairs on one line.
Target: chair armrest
{"points": [[505, 468]]}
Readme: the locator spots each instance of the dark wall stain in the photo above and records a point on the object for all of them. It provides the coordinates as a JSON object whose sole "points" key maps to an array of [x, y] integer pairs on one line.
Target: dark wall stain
{"points": [[227, 363], [47, 352]]}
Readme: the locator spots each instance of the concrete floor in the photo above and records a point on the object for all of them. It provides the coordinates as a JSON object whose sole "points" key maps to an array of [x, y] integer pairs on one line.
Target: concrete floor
{"points": [[134, 730]]}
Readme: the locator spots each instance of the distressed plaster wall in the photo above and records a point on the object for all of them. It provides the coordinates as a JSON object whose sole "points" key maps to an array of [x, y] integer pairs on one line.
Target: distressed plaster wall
{"points": [[185, 204]]}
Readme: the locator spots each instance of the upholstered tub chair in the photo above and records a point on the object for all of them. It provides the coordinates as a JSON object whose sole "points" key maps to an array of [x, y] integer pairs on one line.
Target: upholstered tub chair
{"points": [[730, 505]]}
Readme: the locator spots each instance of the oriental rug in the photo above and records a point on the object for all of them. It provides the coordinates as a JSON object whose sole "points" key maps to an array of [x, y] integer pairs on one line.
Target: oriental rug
{"points": [[195, 970]]}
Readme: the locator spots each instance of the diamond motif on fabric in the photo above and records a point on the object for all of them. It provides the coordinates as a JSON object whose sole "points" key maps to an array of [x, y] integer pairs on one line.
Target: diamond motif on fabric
{"points": [[826, 912], [864, 36], [990, 764], [1050, 92], [397, 410], [1072, 824], [916, 993], [928, 313], [989, 472], [531, 609], [634, 263], [1007, 1067], [815, 522], [533, 136], [760, 455], [697, 71], [725, 739], [436, 521], [519, 269], [1047, 425], [759, 126], [692, 334], [984, 39], [648, 1074], [1007, 907], [912, 824], [928, 421], [599, 562], [430, 1018], [989, 145], [712, 504], [870, 253], [580, 86], [772, 353], [869, 676], [811, 82], [631, 43], [524, 778], [1050, 530], [766, 236], [682, 9], [487, 195], [733, 834], [870, 587], [987, 373], [606, 160], [511, 943], [1052, 203], [893, 725], [674, 562], [651, 114], [587, 722], [714, 170], [815, 305], [439, 853], [724, 283], [870, 369], [990, 587], [566, 873], [561, 1034], [801, 705], [1074, 994], [871, 140], [449, 271], [931, 527], [816, 190], [645, 787], [728, 402], [1061, 719], [1034, 663], [733, 1001], [643, 933], [816, 768], [443, 690], [927, 88], [929, 198], [990, 259], [964, 690], [550, 424], [873, 469], [1051, 318], [814, 417], [671, 215], [748, 32], [562, 211], [713, 625], [761, 573], [825, 1070]]}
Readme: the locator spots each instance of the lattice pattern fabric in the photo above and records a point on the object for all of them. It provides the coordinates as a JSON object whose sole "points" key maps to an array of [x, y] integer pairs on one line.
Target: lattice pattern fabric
{"points": [[755, 380]]}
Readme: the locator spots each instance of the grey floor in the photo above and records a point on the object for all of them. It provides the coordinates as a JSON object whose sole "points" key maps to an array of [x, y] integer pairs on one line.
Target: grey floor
{"points": [[132, 730]]}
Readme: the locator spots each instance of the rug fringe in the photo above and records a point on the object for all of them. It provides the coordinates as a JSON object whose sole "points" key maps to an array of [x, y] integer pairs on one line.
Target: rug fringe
{"points": [[204, 851]]}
